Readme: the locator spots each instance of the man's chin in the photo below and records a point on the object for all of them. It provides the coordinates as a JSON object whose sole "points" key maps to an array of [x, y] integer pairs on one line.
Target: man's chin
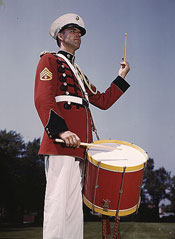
{"points": [[77, 47]]}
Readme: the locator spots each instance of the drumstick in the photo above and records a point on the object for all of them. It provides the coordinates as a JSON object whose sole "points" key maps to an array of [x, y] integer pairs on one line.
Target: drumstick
{"points": [[124, 58], [89, 145]]}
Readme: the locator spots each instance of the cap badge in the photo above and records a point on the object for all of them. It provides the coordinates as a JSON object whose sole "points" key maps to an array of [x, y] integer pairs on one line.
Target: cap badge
{"points": [[46, 75], [77, 18]]}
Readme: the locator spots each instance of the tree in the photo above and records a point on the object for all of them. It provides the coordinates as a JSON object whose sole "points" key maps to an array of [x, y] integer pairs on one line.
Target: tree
{"points": [[11, 151], [33, 187], [171, 195], [156, 185], [22, 179]]}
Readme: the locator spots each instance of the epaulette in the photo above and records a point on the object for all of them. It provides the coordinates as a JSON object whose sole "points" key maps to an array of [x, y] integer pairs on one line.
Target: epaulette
{"points": [[47, 52]]}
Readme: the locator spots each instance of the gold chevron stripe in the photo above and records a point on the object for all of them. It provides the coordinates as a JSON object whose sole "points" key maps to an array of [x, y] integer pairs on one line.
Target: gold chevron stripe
{"points": [[45, 74]]}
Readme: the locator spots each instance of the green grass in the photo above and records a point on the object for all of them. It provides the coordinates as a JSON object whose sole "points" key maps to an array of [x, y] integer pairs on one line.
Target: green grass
{"points": [[129, 230], [134, 230]]}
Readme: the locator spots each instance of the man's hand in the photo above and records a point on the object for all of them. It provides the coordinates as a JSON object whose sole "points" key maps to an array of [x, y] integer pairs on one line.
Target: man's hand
{"points": [[124, 69], [70, 139]]}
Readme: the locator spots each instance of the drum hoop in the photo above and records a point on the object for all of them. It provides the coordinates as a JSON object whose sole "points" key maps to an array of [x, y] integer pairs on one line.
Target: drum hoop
{"points": [[119, 168], [109, 212]]}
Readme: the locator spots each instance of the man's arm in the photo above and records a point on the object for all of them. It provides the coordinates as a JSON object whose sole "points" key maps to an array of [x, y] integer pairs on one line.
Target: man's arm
{"points": [[118, 86]]}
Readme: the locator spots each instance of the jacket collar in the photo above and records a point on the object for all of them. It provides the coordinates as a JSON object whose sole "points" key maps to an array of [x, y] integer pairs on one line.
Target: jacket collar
{"points": [[68, 55]]}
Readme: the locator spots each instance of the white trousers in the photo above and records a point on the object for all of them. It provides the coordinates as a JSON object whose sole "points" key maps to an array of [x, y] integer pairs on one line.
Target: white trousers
{"points": [[63, 213]]}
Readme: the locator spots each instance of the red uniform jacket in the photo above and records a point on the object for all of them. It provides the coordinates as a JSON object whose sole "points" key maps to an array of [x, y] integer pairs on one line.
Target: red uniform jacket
{"points": [[53, 78]]}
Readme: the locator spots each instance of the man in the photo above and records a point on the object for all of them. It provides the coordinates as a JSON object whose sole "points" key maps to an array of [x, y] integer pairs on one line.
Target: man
{"points": [[62, 96]]}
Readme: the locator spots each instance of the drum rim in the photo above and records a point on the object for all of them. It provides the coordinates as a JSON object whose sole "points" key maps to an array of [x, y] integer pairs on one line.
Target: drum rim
{"points": [[110, 212], [118, 168]]}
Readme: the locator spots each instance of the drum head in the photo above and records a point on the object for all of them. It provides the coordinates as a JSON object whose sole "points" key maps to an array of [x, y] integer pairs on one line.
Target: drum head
{"points": [[117, 155]]}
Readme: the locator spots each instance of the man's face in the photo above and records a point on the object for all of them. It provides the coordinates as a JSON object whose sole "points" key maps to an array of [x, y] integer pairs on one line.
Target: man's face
{"points": [[71, 38]]}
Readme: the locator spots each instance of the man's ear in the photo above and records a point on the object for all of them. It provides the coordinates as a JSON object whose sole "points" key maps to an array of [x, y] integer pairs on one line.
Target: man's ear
{"points": [[60, 36]]}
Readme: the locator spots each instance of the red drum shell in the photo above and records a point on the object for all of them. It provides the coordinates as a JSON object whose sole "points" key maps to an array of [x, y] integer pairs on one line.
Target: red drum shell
{"points": [[103, 186]]}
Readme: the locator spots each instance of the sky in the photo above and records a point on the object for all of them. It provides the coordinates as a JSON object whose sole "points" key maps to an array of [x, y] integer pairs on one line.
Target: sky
{"points": [[145, 114]]}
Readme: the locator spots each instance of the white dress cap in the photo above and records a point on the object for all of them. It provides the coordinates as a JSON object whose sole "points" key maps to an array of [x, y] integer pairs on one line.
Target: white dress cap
{"points": [[65, 21]]}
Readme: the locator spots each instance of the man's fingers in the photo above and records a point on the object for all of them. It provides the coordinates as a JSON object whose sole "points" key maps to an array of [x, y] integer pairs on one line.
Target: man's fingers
{"points": [[124, 69], [123, 64], [70, 139], [73, 141], [77, 141]]}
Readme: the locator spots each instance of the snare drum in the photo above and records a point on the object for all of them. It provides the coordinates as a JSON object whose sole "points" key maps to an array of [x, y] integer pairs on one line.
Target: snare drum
{"points": [[114, 177]]}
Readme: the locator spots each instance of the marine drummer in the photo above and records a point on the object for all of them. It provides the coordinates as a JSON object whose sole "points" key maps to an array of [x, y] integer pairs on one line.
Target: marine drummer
{"points": [[62, 97]]}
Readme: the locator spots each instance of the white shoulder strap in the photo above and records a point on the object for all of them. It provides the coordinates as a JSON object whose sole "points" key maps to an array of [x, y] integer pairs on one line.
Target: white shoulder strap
{"points": [[75, 71]]}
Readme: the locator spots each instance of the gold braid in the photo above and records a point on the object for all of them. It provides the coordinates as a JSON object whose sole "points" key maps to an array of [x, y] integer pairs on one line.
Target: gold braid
{"points": [[88, 84]]}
